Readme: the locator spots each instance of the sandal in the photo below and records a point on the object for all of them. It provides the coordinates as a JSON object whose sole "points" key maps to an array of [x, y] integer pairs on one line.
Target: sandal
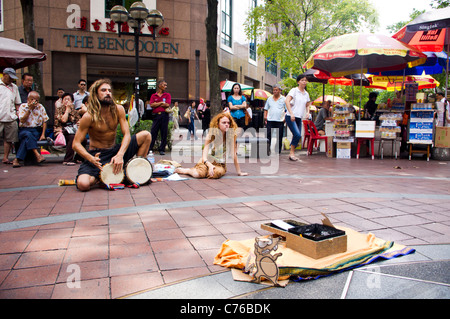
{"points": [[7, 162], [16, 164], [293, 158], [69, 163]]}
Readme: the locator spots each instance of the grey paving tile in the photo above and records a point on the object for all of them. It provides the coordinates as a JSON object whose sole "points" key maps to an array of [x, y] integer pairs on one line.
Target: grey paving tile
{"points": [[323, 288], [217, 286], [373, 285], [434, 252]]}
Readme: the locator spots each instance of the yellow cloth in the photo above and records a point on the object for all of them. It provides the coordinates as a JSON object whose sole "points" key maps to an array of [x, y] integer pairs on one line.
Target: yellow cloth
{"points": [[360, 248], [66, 182]]}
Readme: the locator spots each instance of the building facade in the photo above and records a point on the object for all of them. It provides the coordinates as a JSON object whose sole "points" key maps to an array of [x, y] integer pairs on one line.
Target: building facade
{"points": [[82, 42]]}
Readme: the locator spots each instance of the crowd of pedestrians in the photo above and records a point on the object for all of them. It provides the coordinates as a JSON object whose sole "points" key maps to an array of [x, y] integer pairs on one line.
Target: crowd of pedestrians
{"points": [[86, 123]]}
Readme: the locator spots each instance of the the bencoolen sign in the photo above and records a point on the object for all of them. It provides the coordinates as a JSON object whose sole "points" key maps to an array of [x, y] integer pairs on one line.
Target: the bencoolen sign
{"points": [[103, 27], [105, 43]]}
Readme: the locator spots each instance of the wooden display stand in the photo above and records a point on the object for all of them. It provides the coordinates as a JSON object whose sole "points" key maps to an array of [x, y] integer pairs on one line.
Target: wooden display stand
{"points": [[421, 151]]}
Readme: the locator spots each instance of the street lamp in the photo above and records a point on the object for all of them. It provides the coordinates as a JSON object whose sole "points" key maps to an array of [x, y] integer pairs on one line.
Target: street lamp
{"points": [[138, 16]]}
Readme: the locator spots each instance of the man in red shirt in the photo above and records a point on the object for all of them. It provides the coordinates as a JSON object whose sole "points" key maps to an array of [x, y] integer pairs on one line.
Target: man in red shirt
{"points": [[159, 102]]}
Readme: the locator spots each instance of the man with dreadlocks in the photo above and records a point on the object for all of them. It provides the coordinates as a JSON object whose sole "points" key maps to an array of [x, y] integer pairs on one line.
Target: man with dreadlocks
{"points": [[100, 122]]}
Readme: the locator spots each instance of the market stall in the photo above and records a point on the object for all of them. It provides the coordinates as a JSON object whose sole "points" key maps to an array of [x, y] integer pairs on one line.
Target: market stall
{"points": [[371, 53]]}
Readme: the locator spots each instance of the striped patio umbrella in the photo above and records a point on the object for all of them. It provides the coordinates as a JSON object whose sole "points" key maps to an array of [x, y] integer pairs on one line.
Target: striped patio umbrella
{"points": [[363, 53]]}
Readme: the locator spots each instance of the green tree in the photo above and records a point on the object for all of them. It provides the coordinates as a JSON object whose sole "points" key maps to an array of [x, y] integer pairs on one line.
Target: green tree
{"points": [[293, 29], [438, 4], [213, 64], [397, 26], [30, 39]]}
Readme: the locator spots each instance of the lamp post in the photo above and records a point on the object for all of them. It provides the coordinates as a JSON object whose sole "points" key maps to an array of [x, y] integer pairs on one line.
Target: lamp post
{"points": [[138, 16]]}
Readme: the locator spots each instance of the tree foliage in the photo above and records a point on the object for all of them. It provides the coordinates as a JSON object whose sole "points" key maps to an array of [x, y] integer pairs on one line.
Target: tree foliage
{"points": [[439, 4], [393, 28], [290, 30]]}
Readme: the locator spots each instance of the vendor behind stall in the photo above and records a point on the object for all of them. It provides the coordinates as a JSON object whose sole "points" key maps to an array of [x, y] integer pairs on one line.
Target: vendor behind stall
{"points": [[324, 114], [371, 107]]}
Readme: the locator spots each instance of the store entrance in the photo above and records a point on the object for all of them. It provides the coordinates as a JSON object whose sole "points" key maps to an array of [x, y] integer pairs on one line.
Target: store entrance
{"points": [[121, 71]]}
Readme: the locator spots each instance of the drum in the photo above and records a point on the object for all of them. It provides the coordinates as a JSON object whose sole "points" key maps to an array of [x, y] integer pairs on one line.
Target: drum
{"points": [[138, 171], [108, 177]]}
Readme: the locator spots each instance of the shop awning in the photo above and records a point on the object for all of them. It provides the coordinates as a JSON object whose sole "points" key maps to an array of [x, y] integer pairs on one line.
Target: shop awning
{"points": [[225, 86]]}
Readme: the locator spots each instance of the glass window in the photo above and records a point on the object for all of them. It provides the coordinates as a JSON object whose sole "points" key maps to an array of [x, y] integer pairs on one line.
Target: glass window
{"points": [[109, 4], [271, 66], [226, 22]]}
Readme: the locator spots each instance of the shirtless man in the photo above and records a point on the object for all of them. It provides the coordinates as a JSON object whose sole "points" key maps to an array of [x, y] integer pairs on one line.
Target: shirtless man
{"points": [[100, 122]]}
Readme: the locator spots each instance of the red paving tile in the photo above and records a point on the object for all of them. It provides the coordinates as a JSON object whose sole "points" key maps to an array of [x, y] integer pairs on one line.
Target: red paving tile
{"points": [[40, 258], [40, 292], [31, 277], [122, 286], [132, 265], [89, 289], [87, 270], [86, 253], [179, 259]]}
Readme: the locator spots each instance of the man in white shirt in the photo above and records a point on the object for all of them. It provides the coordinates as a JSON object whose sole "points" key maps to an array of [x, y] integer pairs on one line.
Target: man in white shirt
{"points": [[440, 98], [9, 104], [79, 95], [274, 114]]}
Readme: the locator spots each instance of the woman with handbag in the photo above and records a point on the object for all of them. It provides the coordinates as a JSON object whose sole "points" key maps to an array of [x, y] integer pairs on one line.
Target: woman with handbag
{"points": [[66, 123], [192, 116]]}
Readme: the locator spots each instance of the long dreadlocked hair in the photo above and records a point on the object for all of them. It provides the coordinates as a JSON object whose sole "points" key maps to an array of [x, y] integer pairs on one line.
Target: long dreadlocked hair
{"points": [[94, 106]]}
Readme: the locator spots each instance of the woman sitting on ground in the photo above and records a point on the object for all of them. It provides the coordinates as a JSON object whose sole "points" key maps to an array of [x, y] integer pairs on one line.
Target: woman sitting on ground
{"points": [[222, 139], [66, 122]]}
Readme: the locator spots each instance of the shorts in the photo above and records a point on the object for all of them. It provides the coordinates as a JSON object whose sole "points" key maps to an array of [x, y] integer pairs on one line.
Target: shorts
{"points": [[105, 157], [219, 170], [9, 131]]}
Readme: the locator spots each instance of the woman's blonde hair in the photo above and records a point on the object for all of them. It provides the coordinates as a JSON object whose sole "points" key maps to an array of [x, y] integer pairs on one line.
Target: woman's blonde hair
{"points": [[94, 106]]}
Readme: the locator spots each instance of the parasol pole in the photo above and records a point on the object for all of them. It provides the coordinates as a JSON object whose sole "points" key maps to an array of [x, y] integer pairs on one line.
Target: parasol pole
{"points": [[334, 91], [360, 89], [446, 71], [403, 84], [353, 92]]}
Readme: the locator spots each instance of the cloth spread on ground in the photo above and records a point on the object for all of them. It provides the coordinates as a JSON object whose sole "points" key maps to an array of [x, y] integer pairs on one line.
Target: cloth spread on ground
{"points": [[362, 249]]}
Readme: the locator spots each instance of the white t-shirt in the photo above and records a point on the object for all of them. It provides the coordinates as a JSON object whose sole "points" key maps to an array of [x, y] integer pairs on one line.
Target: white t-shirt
{"points": [[9, 97], [447, 112], [275, 109], [299, 101]]}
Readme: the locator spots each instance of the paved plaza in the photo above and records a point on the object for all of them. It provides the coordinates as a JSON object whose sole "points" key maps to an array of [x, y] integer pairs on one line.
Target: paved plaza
{"points": [[159, 241]]}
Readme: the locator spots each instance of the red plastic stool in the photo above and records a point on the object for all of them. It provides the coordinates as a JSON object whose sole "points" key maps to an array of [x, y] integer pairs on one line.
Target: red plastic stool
{"points": [[359, 140]]}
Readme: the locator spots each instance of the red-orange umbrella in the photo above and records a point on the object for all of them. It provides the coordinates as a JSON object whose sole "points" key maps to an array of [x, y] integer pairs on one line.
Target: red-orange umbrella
{"points": [[332, 98], [258, 94], [426, 41], [392, 83], [429, 32]]}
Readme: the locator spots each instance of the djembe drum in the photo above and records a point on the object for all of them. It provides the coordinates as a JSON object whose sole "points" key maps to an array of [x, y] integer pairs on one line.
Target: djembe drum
{"points": [[138, 171], [108, 177]]}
